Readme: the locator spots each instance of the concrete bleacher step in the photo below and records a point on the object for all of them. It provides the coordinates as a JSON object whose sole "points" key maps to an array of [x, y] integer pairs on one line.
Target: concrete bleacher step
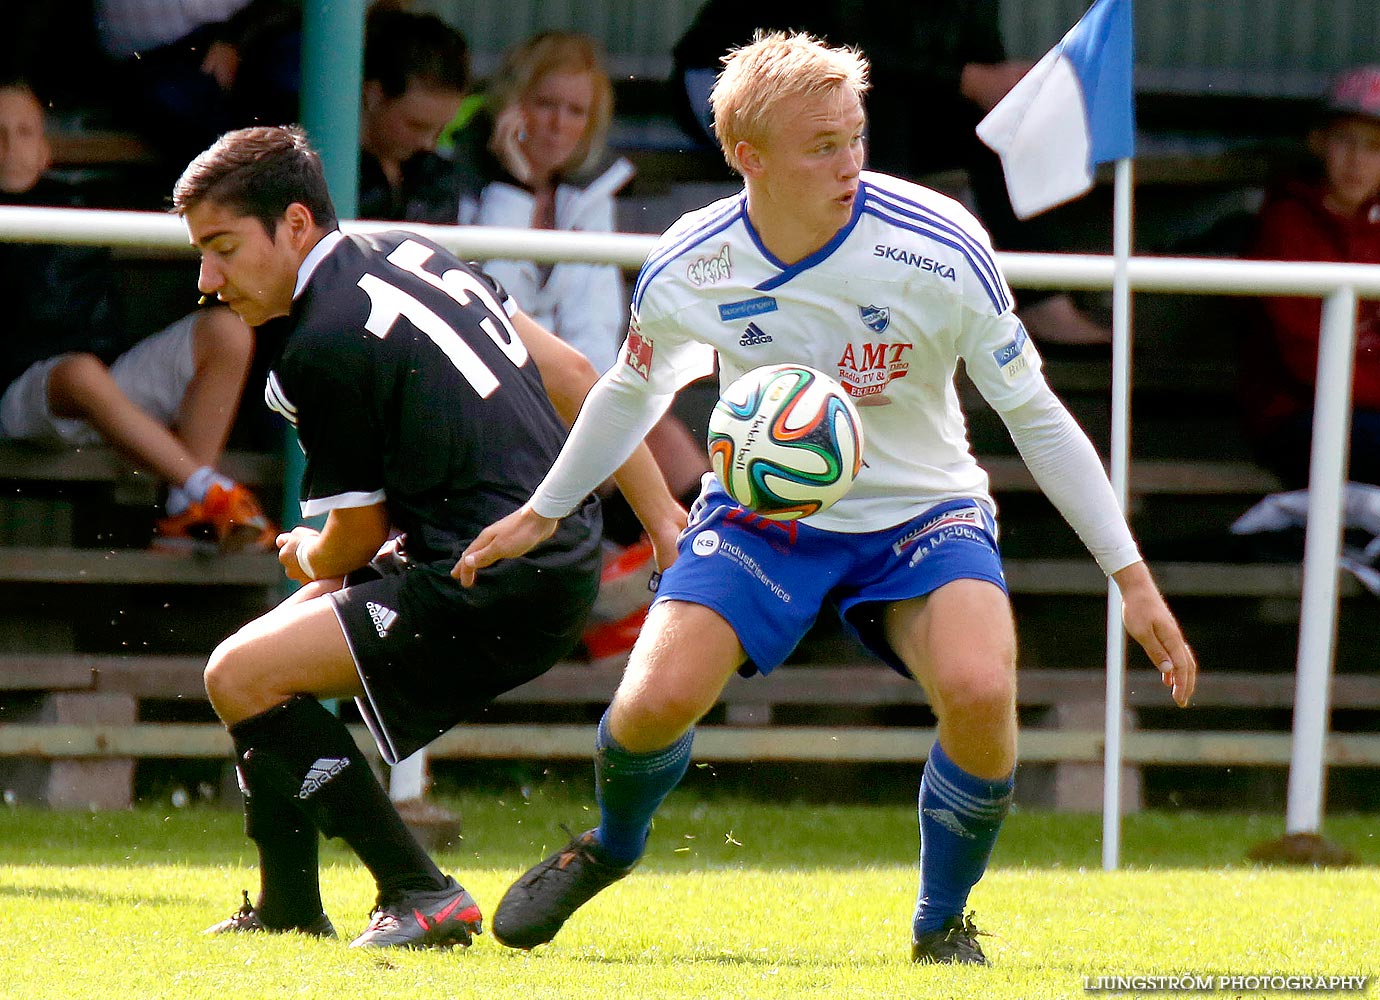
{"points": [[53, 565], [857, 684], [1082, 577], [794, 744], [86, 730], [1008, 474], [1072, 577], [27, 462]]}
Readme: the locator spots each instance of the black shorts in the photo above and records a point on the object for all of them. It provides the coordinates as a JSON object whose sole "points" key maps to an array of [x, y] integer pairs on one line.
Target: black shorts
{"points": [[431, 653]]}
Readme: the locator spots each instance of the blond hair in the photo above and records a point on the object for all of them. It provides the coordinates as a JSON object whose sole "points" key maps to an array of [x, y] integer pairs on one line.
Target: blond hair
{"points": [[758, 76], [525, 66]]}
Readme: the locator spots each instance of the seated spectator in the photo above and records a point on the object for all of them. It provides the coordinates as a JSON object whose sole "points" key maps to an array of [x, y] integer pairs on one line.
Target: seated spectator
{"points": [[534, 156], [936, 70], [191, 71], [72, 375], [416, 71], [1329, 214]]}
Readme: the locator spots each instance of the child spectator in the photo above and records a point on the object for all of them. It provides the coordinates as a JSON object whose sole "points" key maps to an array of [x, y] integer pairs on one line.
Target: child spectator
{"points": [[71, 373], [1332, 214]]}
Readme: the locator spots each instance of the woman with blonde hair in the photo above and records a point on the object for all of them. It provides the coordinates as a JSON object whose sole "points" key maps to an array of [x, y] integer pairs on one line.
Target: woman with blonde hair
{"points": [[536, 157]]}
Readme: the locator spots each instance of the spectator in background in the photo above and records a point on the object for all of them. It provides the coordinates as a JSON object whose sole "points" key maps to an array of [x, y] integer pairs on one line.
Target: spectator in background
{"points": [[194, 70], [937, 69], [534, 156], [416, 71], [1332, 214], [72, 374]]}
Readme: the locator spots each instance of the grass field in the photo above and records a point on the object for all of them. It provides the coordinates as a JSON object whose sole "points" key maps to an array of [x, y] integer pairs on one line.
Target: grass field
{"points": [[736, 899]]}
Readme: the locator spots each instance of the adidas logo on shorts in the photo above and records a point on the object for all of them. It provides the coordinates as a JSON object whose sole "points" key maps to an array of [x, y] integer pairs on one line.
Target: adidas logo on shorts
{"points": [[320, 773], [383, 618], [755, 335]]}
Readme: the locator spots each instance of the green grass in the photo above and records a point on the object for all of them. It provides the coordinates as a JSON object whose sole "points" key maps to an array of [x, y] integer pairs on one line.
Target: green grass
{"points": [[736, 899]]}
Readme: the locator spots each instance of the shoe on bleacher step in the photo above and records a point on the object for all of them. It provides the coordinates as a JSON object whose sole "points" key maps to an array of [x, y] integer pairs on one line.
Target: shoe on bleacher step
{"points": [[227, 521]]}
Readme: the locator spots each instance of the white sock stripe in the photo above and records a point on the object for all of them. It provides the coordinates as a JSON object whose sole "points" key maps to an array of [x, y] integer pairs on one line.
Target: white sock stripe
{"points": [[645, 763], [965, 802]]}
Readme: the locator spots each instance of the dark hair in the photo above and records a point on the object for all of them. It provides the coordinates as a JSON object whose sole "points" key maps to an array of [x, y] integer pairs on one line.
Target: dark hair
{"points": [[258, 172], [402, 49]]}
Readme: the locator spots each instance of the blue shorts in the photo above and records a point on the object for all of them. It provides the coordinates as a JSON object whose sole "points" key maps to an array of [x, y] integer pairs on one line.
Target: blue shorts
{"points": [[769, 579]]}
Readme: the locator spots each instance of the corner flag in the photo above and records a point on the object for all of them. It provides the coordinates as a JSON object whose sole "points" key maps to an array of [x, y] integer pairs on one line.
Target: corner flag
{"points": [[1073, 110]]}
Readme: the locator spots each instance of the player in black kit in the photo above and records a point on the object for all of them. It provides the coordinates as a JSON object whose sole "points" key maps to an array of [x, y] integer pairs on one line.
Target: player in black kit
{"points": [[428, 406]]}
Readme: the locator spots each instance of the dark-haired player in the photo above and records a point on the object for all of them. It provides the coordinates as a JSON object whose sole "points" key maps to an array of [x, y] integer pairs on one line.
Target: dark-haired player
{"points": [[420, 395]]}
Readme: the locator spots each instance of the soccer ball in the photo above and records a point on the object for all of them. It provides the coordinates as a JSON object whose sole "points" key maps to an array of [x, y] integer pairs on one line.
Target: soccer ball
{"points": [[785, 441]]}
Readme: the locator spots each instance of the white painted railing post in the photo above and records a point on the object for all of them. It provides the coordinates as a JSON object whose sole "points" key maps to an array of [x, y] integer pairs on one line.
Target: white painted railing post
{"points": [[1322, 546]]}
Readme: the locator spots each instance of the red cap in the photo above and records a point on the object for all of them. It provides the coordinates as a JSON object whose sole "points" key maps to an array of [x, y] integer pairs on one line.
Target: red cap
{"points": [[1356, 93]]}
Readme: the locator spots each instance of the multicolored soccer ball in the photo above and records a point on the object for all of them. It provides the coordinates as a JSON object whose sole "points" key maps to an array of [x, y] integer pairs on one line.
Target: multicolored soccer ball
{"points": [[785, 441]]}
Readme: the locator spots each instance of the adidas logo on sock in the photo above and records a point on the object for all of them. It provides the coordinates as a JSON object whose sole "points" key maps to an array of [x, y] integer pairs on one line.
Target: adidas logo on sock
{"points": [[383, 618], [755, 335], [320, 773], [950, 821]]}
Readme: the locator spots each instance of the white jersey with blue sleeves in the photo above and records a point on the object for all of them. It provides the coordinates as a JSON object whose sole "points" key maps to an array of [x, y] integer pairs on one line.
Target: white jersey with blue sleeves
{"points": [[889, 306]]}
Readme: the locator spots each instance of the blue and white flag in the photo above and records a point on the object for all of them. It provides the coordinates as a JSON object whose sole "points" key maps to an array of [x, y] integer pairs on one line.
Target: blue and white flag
{"points": [[1073, 110]]}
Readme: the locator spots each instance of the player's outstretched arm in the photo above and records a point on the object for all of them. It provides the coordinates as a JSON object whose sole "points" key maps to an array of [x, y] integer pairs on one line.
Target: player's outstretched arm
{"points": [[1152, 624], [568, 377], [1069, 471], [506, 538]]}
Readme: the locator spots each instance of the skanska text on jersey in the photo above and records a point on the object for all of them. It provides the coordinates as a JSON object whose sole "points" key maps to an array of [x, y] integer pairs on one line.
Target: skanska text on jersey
{"points": [[945, 271]]}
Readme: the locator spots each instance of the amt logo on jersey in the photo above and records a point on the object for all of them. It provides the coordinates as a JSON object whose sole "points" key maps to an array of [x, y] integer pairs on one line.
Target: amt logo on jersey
{"points": [[867, 371]]}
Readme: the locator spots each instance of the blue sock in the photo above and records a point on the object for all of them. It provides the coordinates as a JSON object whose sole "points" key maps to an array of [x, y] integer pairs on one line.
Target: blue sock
{"points": [[959, 818], [630, 786]]}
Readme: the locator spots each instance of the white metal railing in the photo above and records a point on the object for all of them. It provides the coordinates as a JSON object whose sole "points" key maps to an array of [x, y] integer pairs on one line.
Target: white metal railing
{"points": [[1339, 285], [161, 231]]}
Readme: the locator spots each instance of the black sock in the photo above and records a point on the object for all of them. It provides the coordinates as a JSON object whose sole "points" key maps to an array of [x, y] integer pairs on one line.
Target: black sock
{"points": [[289, 890], [305, 753]]}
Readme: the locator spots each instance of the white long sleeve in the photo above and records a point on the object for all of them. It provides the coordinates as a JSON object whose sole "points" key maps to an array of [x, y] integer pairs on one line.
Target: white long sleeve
{"points": [[616, 416], [1067, 468]]}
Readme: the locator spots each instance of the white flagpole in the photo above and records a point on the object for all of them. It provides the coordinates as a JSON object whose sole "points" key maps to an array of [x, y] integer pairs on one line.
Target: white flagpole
{"points": [[1120, 476]]}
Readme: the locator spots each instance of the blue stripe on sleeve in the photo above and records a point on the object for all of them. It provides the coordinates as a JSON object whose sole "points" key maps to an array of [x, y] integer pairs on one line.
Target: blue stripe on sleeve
{"points": [[925, 221], [661, 257]]}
